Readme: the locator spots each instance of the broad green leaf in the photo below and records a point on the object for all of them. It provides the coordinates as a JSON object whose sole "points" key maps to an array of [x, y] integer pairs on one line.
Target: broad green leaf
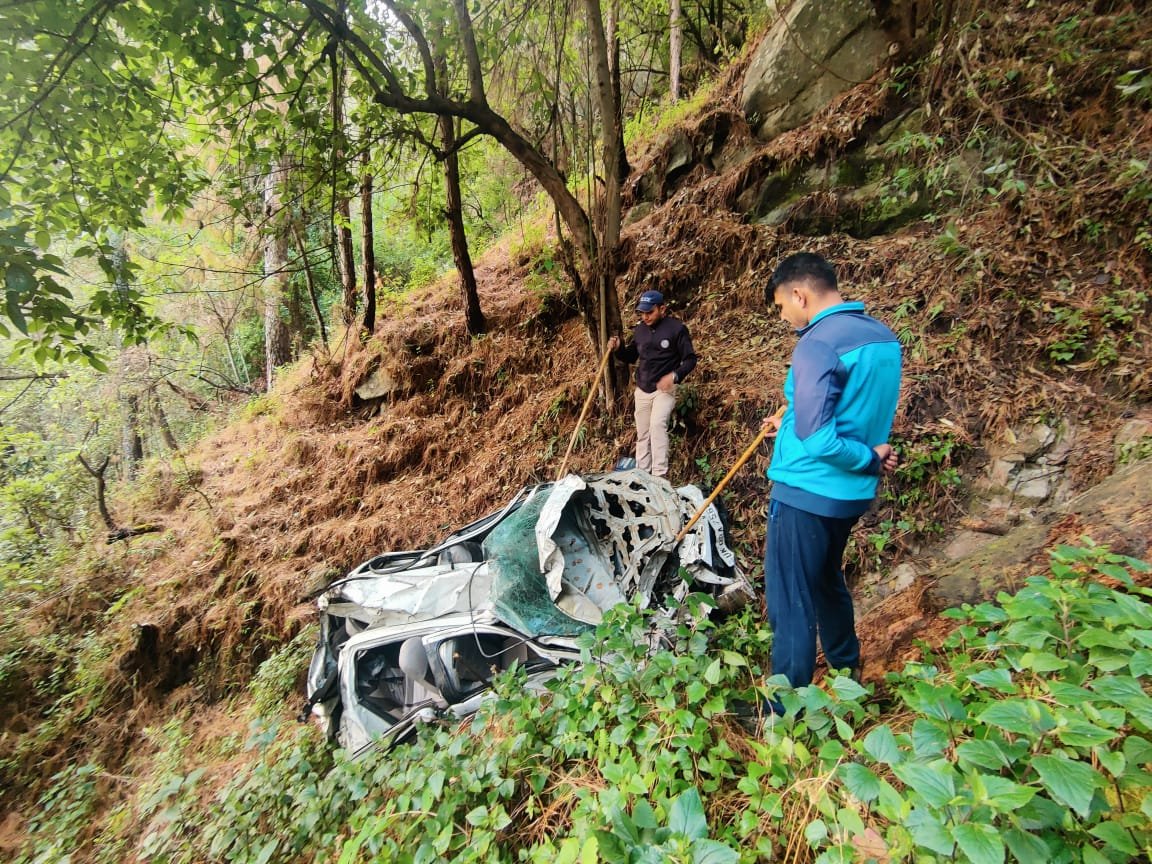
{"points": [[928, 831], [1140, 664], [1025, 846], [982, 754], [712, 673], [1071, 783], [1113, 763], [1091, 637], [687, 815], [831, 751], [845, 688], [939, 702], [15, 313], [1128, 693], [1020, 716], [1080, 733], [934, 782], [643, 816], [996, 679], [860, 781], [19, 279], [816, 832], [1042, 661], [1069, 694], [928, 738], [1006, 795], [713, 852], [1116, 836], [881, 745], [981, 843], [734, 659], [1108, 659]]}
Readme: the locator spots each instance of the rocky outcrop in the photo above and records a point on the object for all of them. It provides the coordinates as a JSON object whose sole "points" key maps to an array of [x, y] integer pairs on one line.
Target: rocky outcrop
{"points": [[816, 50], [1116, 513]]}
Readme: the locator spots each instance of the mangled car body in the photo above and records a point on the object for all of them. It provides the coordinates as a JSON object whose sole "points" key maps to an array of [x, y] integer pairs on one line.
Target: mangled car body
{"points": [[410, 636]]}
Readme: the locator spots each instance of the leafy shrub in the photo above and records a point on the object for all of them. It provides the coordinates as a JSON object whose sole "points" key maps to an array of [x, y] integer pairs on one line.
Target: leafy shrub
{"points": [[62, 814], [278, 679], [1026, 737]]}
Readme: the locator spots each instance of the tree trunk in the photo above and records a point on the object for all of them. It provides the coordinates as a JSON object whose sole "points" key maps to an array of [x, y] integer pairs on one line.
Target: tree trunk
{"points": [[346, 259], [101, 490], [604, 270], [131, 443], [162, 421], [675, 41], [367, 252], [473, 316], [277, 340], [310, 281]]}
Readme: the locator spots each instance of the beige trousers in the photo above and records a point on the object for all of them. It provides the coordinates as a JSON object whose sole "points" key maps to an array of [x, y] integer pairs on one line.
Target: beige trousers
{"points": [[652, 413]]}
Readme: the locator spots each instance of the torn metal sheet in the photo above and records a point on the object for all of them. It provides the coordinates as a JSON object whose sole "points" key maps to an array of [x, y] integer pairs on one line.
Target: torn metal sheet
{"points": [[412, 595]]}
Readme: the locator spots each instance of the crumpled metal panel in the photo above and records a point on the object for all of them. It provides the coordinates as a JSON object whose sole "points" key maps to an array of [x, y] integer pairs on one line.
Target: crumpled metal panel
{"points": [[413, 595], [701, 550], [606, 539]]}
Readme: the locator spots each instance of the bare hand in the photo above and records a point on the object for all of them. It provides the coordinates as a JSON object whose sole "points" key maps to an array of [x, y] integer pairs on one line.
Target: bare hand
{"points": [[613, 343], [771, 425], [888, 458], [667, 383]]}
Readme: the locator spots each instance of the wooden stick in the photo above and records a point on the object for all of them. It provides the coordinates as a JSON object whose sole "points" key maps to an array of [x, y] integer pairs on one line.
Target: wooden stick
{"points": [[744, 458], [587, 405]]}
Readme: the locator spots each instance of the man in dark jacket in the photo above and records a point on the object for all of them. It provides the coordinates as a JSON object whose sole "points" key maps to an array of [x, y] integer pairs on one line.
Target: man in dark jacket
{"points": [[831, 450], [664, 350]]}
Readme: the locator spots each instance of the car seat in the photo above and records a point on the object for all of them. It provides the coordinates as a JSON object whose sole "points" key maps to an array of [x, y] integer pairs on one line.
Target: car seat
{"points": [[414, 665]]}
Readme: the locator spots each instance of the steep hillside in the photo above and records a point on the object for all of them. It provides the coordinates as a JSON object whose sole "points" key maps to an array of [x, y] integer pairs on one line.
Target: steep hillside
{"points": [[991, 201]]}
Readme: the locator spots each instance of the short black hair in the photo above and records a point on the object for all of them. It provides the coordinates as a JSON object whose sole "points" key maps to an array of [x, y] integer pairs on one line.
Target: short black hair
{"points": [[798, 267]]}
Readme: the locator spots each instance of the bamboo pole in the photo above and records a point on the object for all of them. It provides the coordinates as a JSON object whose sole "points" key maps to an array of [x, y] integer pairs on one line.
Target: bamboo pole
{"points": [[739, 462], [584, 411]]}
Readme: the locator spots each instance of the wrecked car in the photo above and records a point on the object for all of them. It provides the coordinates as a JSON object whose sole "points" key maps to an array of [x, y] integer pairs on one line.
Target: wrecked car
{"points": [[412, 636]]}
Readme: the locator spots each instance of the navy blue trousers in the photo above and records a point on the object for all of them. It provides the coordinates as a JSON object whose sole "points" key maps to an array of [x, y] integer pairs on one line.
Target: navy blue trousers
{"points": [[806, 593]]}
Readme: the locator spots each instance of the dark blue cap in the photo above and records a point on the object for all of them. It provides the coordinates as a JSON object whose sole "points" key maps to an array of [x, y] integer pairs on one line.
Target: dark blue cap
{"points": [[649, 300]]}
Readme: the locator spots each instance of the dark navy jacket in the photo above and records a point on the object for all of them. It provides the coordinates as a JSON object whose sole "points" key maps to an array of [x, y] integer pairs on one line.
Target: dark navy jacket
{"points": [[842, 391], [665, 348]]}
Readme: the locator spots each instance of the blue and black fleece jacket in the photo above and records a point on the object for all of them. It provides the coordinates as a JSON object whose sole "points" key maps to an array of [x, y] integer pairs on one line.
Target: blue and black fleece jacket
{"points": [[842, 391]]}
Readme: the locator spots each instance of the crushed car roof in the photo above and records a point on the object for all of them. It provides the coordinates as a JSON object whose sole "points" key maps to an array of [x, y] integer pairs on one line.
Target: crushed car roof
{"points": [[536, 574]]}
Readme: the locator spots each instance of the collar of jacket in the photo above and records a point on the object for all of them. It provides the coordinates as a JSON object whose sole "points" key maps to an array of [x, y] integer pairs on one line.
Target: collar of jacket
{"points": [[851, 306]]}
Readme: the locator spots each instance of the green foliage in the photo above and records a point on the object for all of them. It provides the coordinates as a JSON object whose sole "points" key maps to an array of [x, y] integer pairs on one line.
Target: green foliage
{"points": [[1134, 451], [62, 814], [1038, 735], [645, 127], [1026, 737], [1101, 327], [639, 838], [44, 498], [82, 159], [925, 477], [276, 684], [1136, 84]]}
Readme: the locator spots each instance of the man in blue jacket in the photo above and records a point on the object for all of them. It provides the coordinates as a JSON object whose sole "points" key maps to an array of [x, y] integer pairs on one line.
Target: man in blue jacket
{"points": [[831, 450], [663, 347]]}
